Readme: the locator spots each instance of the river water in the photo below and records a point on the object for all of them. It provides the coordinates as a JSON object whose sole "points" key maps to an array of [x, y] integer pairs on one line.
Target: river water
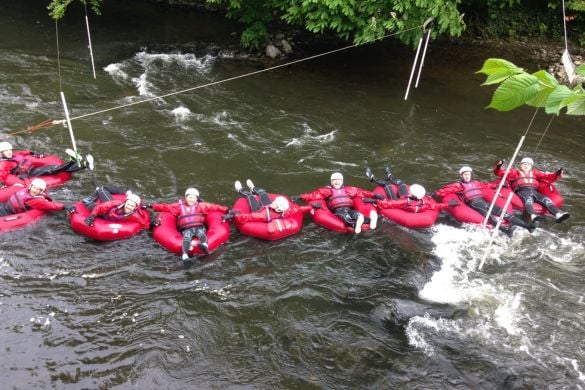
{"points": [[393, 308]]}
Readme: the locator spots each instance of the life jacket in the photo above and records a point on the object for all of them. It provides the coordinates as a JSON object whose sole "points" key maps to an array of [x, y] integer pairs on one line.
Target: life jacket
{"points": [[471, 191], [524, 181], [339, 198], [17, 201], [189, 217], [117, 213], [278, 225], [269, 217], [23, 166]]}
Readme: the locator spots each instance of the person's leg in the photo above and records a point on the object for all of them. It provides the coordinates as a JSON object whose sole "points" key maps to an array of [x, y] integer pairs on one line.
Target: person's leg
{"points": [[252, 201], [201, 234], [264, 197], [187, 237], [527, 198], [47, 170], [390, 194], [4, 210], [559, 215]]}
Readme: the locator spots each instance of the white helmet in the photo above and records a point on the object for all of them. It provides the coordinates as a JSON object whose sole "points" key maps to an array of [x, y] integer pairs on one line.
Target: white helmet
{"points": [[280, 204], [39, 183], [417, 191], [192, 191], [5, 146], [336, 175], [133, 198], [465, 169], [527, 160]]}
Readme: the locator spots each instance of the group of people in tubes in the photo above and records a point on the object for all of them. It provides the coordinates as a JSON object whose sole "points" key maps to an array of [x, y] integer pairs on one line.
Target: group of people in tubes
{"points": [[193, 227]]}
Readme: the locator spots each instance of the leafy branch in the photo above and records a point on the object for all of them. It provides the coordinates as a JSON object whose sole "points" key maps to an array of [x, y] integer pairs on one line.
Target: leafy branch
{"points": [[539, 89]]}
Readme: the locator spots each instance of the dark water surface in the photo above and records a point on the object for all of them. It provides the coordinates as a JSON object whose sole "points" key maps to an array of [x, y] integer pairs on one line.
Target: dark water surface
{"points": [[392, 308]]}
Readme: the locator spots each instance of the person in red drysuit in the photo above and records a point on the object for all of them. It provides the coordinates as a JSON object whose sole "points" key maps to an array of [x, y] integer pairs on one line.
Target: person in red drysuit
{"points": [[525, 181]]}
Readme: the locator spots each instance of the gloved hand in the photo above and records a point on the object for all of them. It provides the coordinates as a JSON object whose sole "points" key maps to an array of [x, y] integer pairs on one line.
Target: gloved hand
{"points": [[230, 215], [295, 198], [36, 155], [369, 174], [154, 223], [89, 220], [370, 200], [432, 194], [453, 203], [379, 196], [317, 206], [146, 205], [560, 172], [69, 208], [500, 163]]}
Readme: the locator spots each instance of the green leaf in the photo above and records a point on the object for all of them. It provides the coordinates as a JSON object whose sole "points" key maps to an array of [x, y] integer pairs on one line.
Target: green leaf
{"points": [[514, 92], [493, 65], [555, 99], [575, 105], [581, 70], [547, 84]]}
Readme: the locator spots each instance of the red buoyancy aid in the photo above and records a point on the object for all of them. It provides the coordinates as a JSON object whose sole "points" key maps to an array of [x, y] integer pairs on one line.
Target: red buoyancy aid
{"points": [[117, 213], [339, 198], [24, 165], [471, 191], [525, 181], [189, 217], [17, 201], [415, 205]]}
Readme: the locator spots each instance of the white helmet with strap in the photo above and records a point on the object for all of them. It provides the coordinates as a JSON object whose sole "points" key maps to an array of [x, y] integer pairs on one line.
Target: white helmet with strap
{"points": [[5, 146], [336, 176], [133, 198], [465, 169], [39, 183], [280, 204], [417, 191], [192, 191], [527, 160]]}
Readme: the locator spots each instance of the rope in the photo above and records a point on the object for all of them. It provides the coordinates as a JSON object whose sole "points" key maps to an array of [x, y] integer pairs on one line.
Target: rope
{"points": [[42, 125], [58, 54], [565, 25], [543, 134], [234, 78]]}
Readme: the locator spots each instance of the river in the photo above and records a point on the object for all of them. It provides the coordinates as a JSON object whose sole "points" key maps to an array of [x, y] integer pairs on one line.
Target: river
{"points": [[392, 308]]}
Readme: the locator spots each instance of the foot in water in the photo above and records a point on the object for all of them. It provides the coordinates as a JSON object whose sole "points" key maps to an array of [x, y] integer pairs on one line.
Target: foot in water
{"points": [[561, 216], [389, 175], [89, 162], [250, 185], [358, 224], [373, 219], [204, 247]]}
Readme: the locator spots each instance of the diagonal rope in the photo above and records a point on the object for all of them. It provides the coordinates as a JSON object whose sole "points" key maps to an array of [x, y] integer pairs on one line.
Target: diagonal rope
{"points": [[235, 77], [58, 54], [543, 134]]}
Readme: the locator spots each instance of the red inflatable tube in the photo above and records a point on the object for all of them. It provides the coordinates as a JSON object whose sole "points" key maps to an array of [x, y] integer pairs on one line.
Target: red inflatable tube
{"points": [[13, 183], [275, 230], [466, 214], [103, 230], [167, 235], [324, 217], [544, 188], [20, 220], [406, 218]]}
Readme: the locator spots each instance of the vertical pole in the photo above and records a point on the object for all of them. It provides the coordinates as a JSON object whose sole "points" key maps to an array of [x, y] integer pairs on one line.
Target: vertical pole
{"points": [[68, 119], [422, 60], [90, 48], [413, 68]]}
